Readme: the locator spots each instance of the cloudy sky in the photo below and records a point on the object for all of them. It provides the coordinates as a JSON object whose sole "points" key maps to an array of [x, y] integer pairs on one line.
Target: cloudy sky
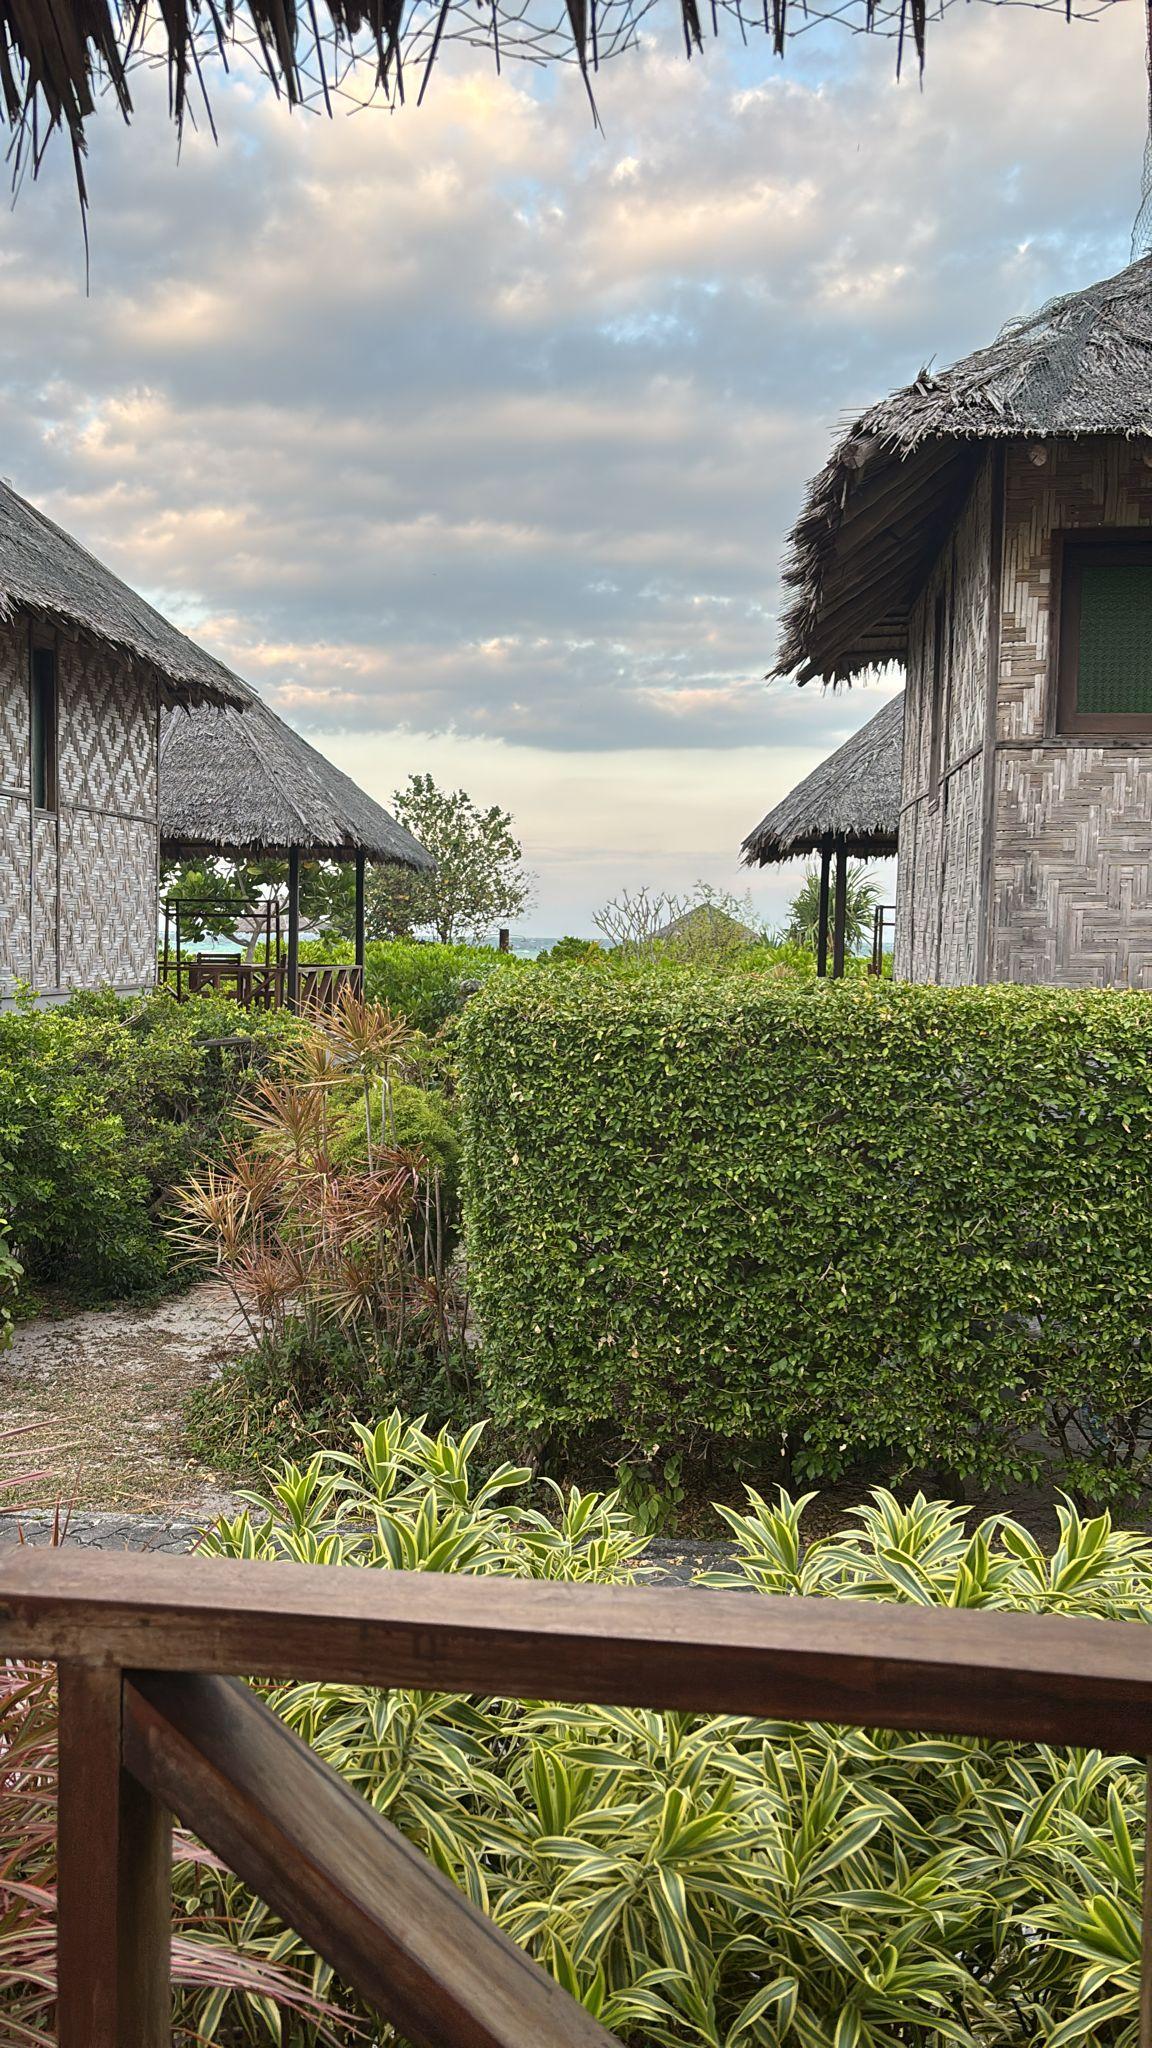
{"points": [[471, 436]]}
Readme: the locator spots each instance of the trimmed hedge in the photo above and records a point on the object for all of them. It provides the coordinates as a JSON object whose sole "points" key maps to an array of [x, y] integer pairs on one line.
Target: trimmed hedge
{"points": [[829, 1220]]}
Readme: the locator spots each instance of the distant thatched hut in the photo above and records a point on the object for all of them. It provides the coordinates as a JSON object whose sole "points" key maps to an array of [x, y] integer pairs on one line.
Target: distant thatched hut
{"points": [[847, 808], [243, 784], [991, 527], [85, 667]]}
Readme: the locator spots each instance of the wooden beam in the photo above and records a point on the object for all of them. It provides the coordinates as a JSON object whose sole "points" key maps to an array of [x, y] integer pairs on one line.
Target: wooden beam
{"points": [[840, 912], [114, 1877], [1044, 1678], [345, 1879], [292, 989], [359, 916], [822, 911]]}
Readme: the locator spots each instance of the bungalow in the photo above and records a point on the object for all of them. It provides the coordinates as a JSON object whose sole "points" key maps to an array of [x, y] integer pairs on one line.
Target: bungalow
{"points": [[120, 741], [990, 527], [86, 667]]}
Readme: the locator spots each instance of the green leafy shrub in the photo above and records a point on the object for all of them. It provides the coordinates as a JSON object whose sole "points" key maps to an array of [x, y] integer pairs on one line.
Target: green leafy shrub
{"points": [[726, 1882], [817, 1221], [572, 952], [10, 1275], [103, 1105], [425, 983]]}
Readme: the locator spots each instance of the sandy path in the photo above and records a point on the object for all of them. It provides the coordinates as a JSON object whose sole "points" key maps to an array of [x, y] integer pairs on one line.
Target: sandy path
{"points": [[106, 1388]]}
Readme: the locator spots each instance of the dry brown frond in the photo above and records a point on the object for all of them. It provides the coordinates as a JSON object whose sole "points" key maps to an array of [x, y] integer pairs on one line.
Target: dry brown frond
{"points": [[218, 1214], [270, 1281], [287, 1118]]}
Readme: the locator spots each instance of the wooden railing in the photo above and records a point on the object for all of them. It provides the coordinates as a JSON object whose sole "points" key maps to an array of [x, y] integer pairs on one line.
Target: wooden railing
{"points": [[151, 1725], [262, 984]]}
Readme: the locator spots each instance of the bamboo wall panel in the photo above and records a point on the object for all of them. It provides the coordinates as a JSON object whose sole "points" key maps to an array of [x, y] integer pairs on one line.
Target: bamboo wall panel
{"points": [[15, 892], [107, 748], [14, 738], [1073, 825], [1072, 890], [963, 828], [108, 887], [78, 888], [905, 892], [941, 834]]}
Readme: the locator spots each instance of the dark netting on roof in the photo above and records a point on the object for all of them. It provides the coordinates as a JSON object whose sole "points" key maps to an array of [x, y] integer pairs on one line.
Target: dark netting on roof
{"points": [[59, 58]]}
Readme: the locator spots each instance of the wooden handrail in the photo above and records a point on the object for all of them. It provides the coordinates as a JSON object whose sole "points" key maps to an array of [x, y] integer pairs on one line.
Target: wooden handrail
{"points": [[1043, 1678], [177, 1735], [348, 1881]]}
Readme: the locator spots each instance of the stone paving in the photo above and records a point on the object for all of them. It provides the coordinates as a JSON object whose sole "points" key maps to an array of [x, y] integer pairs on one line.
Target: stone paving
{"points": [[678, 1562]]}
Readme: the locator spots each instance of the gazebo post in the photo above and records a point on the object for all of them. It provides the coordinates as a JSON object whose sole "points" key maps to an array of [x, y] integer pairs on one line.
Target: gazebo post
{"points": [[822, 914], [840, 916], [359, 932], [292, 989]]}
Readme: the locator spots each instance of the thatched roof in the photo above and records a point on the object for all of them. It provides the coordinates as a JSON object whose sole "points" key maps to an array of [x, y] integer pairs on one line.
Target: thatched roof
{"points": [[58, 58], [853, 796], [879, 510], [241, 783], [44, 570]]}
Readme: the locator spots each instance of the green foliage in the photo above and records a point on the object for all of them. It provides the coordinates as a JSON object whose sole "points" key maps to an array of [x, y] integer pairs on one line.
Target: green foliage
{"points": [[11, 1272], [103, 1105], [726, 1882], [231, 887], [570, 952], [803, 927], [479, 879], [425, 983], [818, 1221]]}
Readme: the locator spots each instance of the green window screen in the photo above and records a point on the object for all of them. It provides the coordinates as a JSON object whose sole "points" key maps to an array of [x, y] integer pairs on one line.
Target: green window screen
{"points": [[1115, 673]]}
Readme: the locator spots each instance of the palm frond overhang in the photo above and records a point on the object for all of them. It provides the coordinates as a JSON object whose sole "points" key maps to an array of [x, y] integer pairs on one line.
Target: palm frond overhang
{"points": [[59, 59]]}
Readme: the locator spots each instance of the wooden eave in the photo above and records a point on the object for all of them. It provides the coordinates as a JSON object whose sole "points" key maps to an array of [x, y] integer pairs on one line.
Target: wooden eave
{"points": [[896, 517]]}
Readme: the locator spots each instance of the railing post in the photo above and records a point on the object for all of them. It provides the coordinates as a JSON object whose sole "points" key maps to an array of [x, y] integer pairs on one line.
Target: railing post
{"points": [[114, 1880]]}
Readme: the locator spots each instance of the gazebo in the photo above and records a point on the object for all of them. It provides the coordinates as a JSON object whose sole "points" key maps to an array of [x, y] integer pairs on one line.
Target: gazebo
{"points": [[847, 807], [244, 784]]}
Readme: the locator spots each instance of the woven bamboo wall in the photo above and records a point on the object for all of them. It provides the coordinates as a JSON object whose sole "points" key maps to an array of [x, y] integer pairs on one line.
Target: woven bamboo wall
{"points": [[78, 888], [1071, 901], [941, 831]]}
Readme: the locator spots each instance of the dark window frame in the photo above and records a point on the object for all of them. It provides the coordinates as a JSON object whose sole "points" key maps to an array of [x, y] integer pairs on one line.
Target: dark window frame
{"points": [[1105, 546], [43, 726], [939, 681]]}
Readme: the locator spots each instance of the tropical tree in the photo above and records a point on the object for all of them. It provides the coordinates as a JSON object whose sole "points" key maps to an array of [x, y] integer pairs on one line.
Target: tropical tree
{"points": [[219, 895], [479, 880], [803, 925]]}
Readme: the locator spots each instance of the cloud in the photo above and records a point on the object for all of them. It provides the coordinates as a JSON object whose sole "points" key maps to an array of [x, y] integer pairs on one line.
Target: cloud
{"points": [[469, 422]]}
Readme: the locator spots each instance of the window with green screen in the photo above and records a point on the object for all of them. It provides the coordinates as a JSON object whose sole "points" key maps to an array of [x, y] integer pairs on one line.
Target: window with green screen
{"points": [[1114, 670]]}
